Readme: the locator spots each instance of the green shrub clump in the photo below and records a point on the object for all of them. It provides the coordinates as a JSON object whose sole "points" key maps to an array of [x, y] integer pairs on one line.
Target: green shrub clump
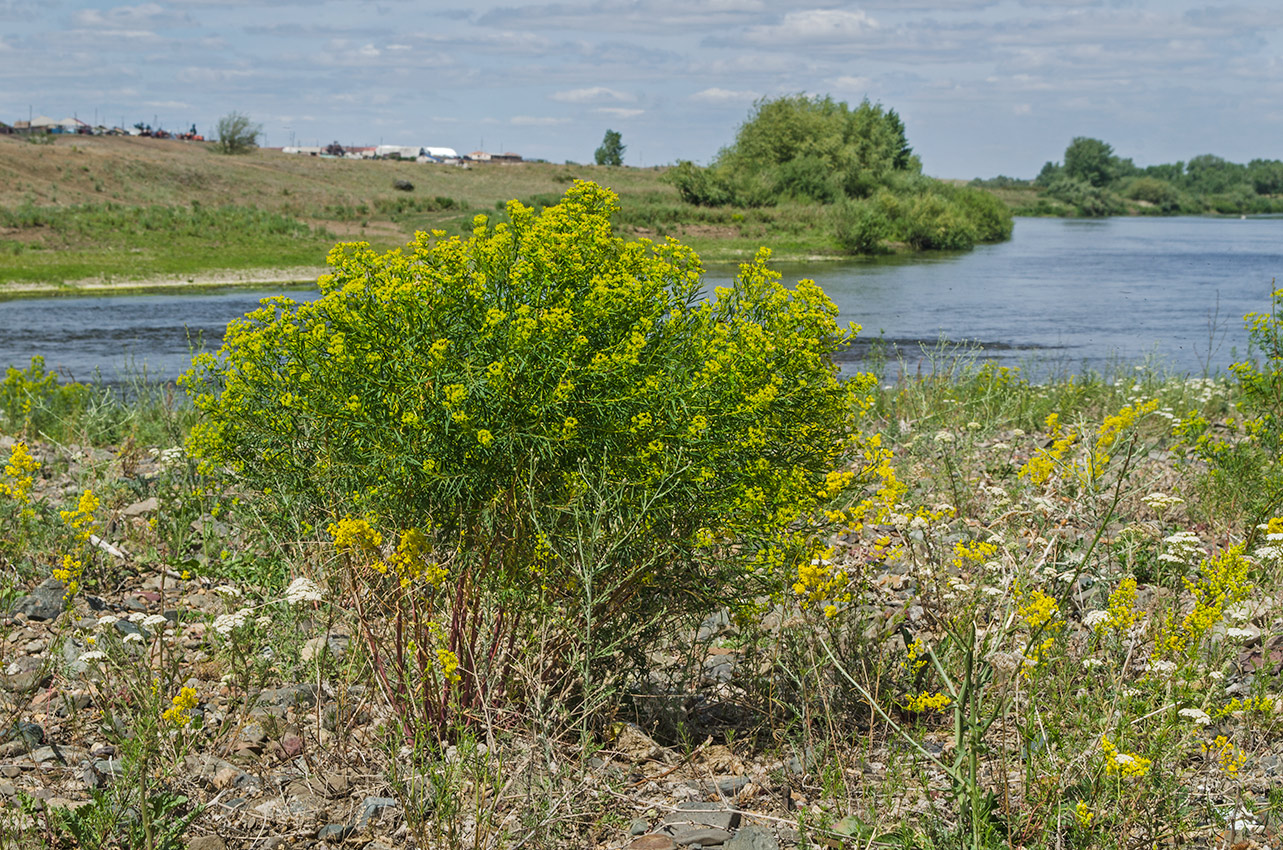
{"points": [[543, 423]]}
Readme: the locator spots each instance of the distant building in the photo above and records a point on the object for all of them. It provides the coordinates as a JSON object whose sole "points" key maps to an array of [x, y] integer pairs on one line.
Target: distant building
{"points": [[304, 150], [483, 156]]}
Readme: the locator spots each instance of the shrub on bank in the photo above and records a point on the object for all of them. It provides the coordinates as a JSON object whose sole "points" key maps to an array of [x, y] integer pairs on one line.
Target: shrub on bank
{"points": [[537, 430]]}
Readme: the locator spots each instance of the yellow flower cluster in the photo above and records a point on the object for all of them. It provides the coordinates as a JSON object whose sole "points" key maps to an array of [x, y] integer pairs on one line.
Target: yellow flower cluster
{"points": [[974, 553], [1123, 764], [926, 701], [1039, 610], [69, 574], [1251, 705], [915, 655], [1223, 582], [449, 664], [180, 712], [1228, 758], [19, 474], [1122, 606], [354, 535], [1109, 431], [409, 561], [81, 520], [1038, 469], [1083, 816]]}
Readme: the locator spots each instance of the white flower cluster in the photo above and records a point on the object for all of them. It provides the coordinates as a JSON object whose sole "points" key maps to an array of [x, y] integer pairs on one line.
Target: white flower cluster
{"points": [[303, 590], [1183, 548], [1095, 618], [168, 458], [225, 624], [1161, 501], [1196, 716]]}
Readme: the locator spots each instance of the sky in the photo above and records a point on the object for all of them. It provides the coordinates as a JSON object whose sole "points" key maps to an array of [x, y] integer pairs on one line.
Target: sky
{"points": [[985, 87]]}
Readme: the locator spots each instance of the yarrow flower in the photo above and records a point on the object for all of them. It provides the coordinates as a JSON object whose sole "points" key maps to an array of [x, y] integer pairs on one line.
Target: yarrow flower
{"points": [[92, 655], [1196, 716], [154, 621], [303, 590], [225, 624]]}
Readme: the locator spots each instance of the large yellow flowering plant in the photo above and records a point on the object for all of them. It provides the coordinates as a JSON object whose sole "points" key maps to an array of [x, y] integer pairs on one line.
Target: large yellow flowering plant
{"points": [[539, 401]]}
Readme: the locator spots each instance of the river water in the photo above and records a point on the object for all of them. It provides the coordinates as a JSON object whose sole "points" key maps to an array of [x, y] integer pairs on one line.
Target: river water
{"points": [[1063, 296]]}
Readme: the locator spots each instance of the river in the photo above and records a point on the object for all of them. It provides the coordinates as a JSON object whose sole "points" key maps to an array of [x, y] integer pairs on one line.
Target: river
{"points": [[1061, 297]]}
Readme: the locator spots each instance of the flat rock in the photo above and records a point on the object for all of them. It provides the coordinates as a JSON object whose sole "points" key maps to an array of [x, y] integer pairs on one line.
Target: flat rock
{"points": [[653, 842], [45, 602], [206, 842], [753, 838], [704, 837], [146, 506], [702, 814]]}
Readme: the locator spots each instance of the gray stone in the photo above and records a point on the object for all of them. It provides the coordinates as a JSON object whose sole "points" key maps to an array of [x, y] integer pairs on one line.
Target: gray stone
{"points": [[288, 695], [44, 755], [334, 832], [146, 506], [703, 836], [24, 682], [253, 733], [7, 789], [206, 842], [726, 786], [30, 734], [753, 838], [653, 842], [45, 602], [639, 827], [372, 809], [704, 815]]}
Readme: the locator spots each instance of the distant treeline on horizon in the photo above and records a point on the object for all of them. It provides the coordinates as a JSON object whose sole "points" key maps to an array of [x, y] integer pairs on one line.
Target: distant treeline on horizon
{"points": [[1093, 181]]}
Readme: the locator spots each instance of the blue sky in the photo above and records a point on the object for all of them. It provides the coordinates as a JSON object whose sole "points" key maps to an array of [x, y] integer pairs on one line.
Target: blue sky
{"points": [[984, 87]]}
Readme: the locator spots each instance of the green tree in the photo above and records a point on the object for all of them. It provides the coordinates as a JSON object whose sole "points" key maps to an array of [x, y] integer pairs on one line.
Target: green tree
{"points": [[612, 149], [1091, 161], [1266, 176], [237, 133], [1209, 174]]}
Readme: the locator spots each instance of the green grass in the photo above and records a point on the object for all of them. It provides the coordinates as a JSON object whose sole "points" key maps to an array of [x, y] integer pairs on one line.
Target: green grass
{"points": [[117, 241]]}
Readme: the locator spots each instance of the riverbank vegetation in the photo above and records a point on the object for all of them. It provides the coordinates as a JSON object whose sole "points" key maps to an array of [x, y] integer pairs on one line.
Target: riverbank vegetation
{"points": [[1094, 181], [801, 150], [663, 569], [104, 208]]}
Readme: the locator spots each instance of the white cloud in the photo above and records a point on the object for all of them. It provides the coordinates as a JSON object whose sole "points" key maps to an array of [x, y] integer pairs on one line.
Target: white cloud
{"points": [[716, 95], [620, 112], [859, 85], [535, 121], [814, 26], [595, 94]]}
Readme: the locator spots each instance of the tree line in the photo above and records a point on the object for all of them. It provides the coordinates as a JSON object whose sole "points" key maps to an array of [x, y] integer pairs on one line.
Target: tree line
{"points": [[1092, 180], [858, 163]]}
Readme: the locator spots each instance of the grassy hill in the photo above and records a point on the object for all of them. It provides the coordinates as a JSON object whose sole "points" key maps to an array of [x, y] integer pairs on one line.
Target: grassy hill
{"points": [[119, 210]]}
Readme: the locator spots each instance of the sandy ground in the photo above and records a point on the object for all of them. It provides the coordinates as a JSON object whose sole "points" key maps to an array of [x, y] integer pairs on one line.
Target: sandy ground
{"points": [[215, 278]]}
